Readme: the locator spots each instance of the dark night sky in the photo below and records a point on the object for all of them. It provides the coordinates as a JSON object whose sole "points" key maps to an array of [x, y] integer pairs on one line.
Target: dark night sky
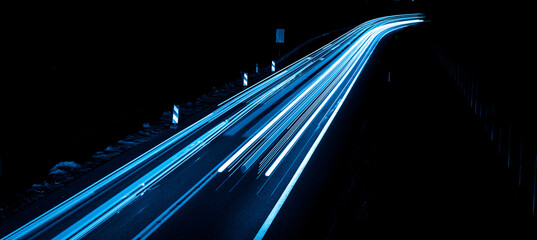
{"points": [[67, 69], [68, 66], [71, 70]]}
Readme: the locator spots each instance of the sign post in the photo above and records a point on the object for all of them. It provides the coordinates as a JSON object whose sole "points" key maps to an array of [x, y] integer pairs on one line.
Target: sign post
{"points": [[280, 38]]}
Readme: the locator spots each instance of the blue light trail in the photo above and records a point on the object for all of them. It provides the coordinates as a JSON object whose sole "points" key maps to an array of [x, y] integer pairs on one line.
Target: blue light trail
{"points": [[377, 33], [269, 127]]}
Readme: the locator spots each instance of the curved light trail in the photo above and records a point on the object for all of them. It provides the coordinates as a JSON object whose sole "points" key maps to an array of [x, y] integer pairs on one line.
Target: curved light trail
{"points": [[269, 132]]}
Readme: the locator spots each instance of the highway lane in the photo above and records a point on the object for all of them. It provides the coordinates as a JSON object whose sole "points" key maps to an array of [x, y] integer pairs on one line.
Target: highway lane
{"points": [[228, 174]]}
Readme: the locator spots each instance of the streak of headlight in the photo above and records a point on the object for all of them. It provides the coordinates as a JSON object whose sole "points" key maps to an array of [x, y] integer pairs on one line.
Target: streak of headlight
{"points": [[264, 228], [274, 120], [305, 126], [266, 127], [130, 193]]}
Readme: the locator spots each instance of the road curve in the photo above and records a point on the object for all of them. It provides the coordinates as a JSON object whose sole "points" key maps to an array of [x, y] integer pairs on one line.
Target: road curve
{"points": [[228, 174]]}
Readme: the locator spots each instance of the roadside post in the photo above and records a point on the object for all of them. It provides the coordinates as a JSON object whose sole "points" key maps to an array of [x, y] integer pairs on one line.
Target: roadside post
{"points": [[175, 117], [245, 79]]}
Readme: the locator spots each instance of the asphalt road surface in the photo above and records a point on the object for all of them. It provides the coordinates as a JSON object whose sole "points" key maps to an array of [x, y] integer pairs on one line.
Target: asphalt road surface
{"points": [[228, 175]]}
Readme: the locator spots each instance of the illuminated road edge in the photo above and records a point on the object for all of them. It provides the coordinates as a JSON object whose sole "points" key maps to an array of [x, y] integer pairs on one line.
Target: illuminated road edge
{"points": [[346, 56]]}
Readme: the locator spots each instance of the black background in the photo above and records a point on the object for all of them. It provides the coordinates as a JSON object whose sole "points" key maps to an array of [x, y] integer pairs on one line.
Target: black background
{"points": [[68, 70]]}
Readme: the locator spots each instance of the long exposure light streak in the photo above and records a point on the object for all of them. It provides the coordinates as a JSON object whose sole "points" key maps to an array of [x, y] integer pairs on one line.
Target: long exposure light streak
{"points": [[270, 124], [376, 34]]}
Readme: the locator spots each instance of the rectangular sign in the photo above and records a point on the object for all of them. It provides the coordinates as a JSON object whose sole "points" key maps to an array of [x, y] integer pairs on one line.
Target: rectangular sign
{"points": [[280, 35]]}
